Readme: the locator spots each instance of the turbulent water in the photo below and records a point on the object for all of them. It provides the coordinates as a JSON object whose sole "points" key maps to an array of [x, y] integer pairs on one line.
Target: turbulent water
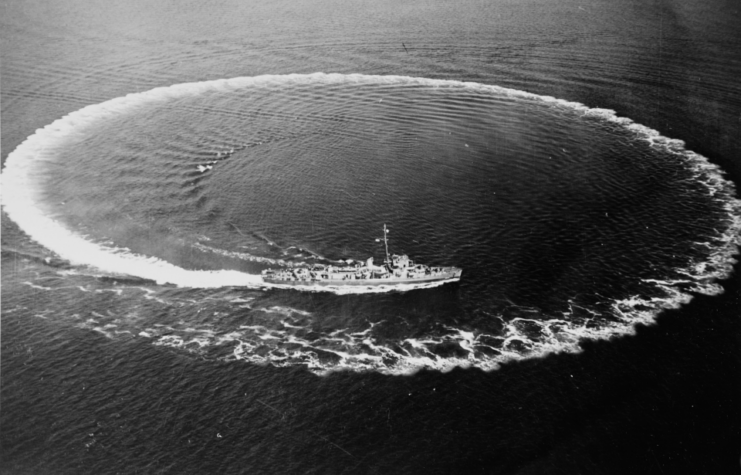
{"points": [[201, 185], [157, 158]]}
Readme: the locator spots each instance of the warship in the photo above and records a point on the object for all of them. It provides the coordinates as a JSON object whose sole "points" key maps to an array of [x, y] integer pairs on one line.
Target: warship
{"points": [[396, 269]]}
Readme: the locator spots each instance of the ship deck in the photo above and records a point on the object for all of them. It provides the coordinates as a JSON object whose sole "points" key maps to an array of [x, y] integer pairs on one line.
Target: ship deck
{"points": [[448, 274]]}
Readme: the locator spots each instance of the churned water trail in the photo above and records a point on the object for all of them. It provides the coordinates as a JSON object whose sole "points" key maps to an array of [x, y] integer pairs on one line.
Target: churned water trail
{"points": [[554, 210]]}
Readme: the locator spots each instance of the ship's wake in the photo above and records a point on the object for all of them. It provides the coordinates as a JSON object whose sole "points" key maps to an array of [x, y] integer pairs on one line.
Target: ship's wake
{"points": [[295, 335], [244, 326]]}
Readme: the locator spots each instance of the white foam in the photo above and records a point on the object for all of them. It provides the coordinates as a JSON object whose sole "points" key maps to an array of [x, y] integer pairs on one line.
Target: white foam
{"points": [[22, 191], [244, 256], [287, 311], [34, 286]]}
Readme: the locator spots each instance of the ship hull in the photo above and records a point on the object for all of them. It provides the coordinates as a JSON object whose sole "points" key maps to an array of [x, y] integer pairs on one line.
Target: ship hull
{"points": [[450, 274]]}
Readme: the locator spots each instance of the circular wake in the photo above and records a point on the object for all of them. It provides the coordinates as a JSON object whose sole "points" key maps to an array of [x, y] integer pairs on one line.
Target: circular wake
{"points": [[567, 220]]}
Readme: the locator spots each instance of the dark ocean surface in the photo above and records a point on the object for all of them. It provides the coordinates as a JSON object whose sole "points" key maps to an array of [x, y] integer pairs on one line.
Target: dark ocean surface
{"points": [[578, 161]]}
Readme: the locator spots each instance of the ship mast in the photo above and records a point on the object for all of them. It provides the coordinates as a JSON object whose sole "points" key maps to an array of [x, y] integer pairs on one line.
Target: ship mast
{"points": [[386, 243]]}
